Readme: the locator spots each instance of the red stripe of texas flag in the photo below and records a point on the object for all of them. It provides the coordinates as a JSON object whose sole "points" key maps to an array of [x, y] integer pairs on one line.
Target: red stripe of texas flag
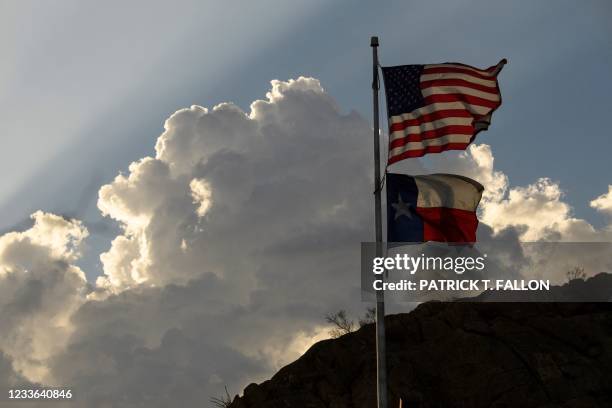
{"points": [[448, 224]]}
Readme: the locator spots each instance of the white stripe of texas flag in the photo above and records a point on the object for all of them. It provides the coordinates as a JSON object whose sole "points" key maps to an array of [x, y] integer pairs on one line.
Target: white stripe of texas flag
{"points": [[449, 191]]}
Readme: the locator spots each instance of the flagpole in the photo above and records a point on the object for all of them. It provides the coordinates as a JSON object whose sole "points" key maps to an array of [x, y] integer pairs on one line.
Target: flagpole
{"points": [[381, 361]]}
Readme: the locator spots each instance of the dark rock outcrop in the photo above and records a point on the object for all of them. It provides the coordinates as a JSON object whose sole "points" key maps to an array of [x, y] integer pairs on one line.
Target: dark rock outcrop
{"points": [[458, 355]]}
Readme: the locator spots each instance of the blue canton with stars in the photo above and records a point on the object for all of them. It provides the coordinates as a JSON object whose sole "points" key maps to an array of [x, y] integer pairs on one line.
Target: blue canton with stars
{"points": [[403, 89], [403, 223]]}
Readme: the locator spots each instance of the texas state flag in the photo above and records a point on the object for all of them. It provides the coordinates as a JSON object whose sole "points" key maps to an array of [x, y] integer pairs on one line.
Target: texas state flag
{"points": [[436, 207]]}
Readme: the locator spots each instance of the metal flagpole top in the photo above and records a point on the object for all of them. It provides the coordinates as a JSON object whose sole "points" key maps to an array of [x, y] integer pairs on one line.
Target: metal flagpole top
{"points": [[373, 41]]}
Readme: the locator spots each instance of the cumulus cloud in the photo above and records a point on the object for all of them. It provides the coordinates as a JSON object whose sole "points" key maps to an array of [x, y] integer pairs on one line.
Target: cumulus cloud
{"points": [[540, 212], [40, 288], [603, 203], [9, 378], [237, 237], [225, 182]]}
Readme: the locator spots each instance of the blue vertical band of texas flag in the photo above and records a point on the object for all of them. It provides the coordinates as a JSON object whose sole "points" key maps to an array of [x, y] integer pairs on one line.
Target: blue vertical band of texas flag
{"points": [[436, 207], [437, 107]]}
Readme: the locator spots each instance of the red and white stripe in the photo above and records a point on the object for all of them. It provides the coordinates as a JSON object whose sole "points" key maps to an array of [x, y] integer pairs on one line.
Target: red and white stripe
{"points": [[459, 101]]}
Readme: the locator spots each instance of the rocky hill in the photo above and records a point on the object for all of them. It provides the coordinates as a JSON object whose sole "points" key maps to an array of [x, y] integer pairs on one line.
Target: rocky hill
{"points": [[459, 355]]}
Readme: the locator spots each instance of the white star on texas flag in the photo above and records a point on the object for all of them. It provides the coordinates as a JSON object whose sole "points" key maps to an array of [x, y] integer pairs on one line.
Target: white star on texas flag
{"points": [[401, 208]]}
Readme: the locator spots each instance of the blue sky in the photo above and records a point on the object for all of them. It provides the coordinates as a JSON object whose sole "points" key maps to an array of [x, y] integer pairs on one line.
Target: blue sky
{"points": [[88, 85]]}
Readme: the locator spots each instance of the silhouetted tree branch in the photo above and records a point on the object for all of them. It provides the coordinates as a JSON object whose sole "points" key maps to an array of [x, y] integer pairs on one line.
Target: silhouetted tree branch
{"points": [[576, 273], [222, 402], [342, 325]]}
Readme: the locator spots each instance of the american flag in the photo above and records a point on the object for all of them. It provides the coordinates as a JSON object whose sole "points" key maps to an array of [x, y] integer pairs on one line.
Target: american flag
{"points": [[438, 107]]}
